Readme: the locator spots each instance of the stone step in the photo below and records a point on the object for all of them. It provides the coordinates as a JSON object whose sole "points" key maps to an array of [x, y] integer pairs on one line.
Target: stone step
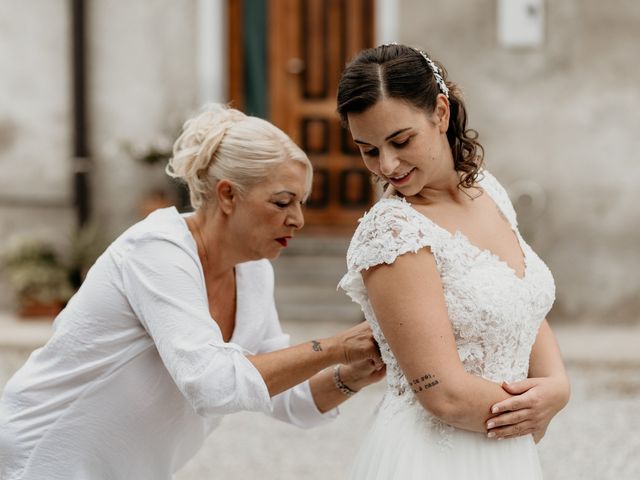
{"points": [[317, 245], [303, 293], [314, 313], [307, 274], [319, 270], [314, 303]]}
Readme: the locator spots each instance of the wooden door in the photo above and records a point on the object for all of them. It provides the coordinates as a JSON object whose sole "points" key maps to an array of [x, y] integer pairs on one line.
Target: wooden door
{"points": [[309, 43]]}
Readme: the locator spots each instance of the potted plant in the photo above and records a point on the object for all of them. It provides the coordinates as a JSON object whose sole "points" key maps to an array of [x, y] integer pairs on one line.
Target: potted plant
{"points": [[84, 247], [38, 276], [162, 191]]}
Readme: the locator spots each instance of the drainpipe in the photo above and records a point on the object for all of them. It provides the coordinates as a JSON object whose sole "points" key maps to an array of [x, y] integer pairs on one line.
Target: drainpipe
{"points": [[81, 160], [212, 51], [387, 21]]}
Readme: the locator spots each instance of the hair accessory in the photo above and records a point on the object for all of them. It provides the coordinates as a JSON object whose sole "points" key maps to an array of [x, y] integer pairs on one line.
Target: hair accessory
{"points": [[338, 382], [434, 68], [436, 73]]}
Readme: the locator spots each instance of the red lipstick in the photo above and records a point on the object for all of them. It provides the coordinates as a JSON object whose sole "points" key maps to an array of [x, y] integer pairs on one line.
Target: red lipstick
{"points": [[283, 241]]}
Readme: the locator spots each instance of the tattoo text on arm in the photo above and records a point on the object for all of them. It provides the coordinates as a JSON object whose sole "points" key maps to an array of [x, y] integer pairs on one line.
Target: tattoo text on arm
{"points": [[316, 346], [423, 383]]}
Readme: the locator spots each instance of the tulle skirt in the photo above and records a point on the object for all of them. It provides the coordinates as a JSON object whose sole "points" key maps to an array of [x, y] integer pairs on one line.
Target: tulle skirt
{"points": [[409, 445]]}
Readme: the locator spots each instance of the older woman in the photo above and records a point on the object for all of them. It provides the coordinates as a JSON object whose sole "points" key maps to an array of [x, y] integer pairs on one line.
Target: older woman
{"points": [[175, 325]]}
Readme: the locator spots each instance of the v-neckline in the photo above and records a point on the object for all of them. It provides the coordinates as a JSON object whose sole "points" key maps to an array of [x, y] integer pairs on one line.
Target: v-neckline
{"points": [[459, 234], [238, 279], [237, 316]]}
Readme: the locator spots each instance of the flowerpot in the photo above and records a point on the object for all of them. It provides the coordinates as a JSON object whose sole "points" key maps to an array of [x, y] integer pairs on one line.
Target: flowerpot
{"points": [[31, 308], [152, 201]]}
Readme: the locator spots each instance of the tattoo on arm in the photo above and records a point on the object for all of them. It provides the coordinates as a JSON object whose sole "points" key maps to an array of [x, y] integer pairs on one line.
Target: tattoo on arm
{"points": [[316, 346], [423, 383]]}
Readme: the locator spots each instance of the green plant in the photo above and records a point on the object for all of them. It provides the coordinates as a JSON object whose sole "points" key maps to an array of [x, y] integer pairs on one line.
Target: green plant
{"points": [[38, 272], [161, 190], [156, 152], [35, 271], [85, 246]]}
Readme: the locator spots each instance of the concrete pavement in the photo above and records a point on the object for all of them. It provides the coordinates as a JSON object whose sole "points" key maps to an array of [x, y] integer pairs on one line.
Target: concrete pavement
{"points": [[580, 344], [594, 438]]}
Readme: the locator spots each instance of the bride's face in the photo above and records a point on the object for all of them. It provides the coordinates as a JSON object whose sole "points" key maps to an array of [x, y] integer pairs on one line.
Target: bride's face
{"points": [[402, 144]]}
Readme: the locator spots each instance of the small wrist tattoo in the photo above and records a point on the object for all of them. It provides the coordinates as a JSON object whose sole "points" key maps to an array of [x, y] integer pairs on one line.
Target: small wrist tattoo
{"points": [[316, 346], [423, 383]]}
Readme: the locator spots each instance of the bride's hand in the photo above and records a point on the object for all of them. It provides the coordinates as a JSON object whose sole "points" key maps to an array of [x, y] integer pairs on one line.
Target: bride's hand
{"points": [[358, 375], [535, 402], [389, 191]]}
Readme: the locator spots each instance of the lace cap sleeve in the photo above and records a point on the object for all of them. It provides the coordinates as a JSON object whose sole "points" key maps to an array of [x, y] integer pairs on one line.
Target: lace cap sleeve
{"points": [[500, 196], [390, 229]]}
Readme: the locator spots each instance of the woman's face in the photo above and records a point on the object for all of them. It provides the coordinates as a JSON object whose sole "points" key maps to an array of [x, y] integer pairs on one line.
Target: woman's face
{"points": [[402, 144], [267, 216]]}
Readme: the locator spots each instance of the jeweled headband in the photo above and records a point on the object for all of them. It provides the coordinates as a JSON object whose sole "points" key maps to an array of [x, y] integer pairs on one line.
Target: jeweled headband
{"points": [[434, 68]]}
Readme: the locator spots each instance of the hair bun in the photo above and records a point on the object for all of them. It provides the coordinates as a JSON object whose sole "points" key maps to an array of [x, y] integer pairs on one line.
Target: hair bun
{"points": [[224, 143], [195, 148]]}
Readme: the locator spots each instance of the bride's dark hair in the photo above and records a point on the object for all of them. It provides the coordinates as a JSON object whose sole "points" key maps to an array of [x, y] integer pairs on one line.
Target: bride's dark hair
{"points": [[399, 71]]}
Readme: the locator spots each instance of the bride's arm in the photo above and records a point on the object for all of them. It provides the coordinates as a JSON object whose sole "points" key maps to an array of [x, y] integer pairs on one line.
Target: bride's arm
{"points": [[538, 398], [408, 301]]}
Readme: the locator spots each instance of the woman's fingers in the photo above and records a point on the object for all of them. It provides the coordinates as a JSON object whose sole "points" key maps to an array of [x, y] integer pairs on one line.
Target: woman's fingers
{"points": [[539, 434], [510, 418], [360, 374], [359, 344], [389, 191], [510, 405], [516, 388], [533, 407], [524, 399], [367, 368], [524, 428]]}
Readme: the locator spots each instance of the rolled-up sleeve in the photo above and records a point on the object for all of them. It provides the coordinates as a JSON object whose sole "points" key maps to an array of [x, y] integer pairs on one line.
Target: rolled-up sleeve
{"points": [[296, 405], [164, 286]]}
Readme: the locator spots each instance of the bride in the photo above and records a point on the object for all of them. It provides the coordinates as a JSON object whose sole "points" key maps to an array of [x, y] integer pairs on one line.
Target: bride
{"points": [[456, 298]]}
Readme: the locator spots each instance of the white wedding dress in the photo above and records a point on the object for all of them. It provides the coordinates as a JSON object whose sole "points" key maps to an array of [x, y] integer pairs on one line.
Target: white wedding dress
{"points": [[495, 316]]}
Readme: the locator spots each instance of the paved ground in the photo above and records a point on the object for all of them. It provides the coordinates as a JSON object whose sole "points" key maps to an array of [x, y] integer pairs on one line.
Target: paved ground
{"points": [[597, 437]]}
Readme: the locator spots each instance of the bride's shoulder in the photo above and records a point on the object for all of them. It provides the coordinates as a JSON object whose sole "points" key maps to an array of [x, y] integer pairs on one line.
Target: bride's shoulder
{"points": [[393, 207], [391, 227]]}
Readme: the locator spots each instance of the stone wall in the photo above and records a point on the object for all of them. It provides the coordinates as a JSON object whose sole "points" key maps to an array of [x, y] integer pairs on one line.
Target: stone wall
{"points": [[559, 124]]}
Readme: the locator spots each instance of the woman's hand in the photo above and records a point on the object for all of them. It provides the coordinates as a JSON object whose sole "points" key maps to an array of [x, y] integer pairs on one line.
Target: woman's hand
{"points": [[358, 344], [358, 375], [389, 191], [361, 365], [535, 402]]}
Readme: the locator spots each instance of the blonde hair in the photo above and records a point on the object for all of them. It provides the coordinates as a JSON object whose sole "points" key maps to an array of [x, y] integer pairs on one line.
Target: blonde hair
{"points": [[224, 143]]}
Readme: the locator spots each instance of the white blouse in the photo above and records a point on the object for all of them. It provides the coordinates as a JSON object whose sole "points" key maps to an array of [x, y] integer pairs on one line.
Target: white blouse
{"points": [[136, 374]]}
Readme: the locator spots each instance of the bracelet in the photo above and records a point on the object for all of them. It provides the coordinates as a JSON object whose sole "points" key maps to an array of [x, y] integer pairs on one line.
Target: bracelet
{"points": [[339, 384]]}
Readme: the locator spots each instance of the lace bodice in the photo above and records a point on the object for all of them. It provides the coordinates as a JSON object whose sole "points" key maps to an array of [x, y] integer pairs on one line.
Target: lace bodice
{"points": [[494, 314]]}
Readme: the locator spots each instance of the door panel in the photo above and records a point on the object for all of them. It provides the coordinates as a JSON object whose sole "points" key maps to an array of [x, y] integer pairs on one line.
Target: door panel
{"points": [[310, 41]]}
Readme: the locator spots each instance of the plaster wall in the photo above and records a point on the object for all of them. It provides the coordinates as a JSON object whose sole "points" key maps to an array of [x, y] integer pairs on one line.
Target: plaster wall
{"points": [[143, 84], [35, 123], [141, 74], [559, 124]]}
